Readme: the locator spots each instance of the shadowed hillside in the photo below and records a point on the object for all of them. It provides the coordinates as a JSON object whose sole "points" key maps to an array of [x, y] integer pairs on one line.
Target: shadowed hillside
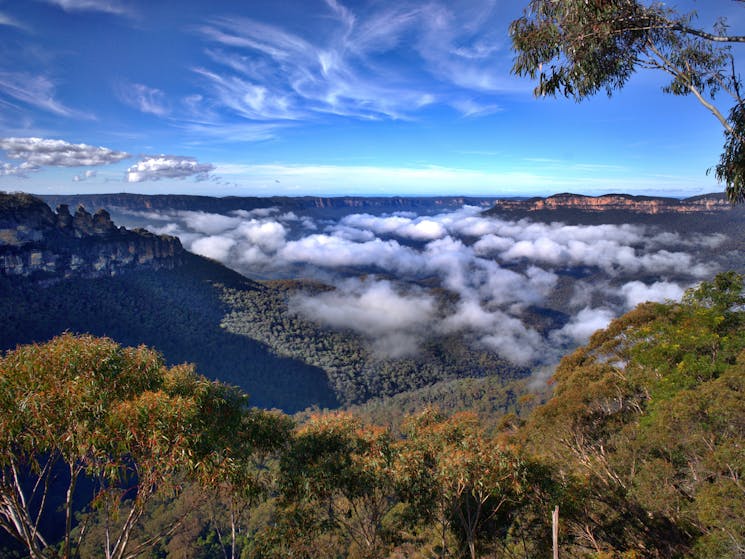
{"points": [[103, 281]]}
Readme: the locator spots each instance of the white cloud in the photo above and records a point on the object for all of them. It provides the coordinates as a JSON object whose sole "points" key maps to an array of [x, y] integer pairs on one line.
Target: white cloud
{"points": [[636, 292], [490, 297], [84, 176], [168, 167], [393, 321], [332, 252], [497, 330], [209, 223], [8, 170], [269, 236], [616, 249], [39, 152], [172, 229], [106, 6], [215, 247], [143, 98], [581, 326], [420, 229]]}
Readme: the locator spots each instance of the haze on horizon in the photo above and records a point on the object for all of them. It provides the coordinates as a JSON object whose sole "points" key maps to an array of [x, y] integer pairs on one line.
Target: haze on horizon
{"points": [[325, 97]]}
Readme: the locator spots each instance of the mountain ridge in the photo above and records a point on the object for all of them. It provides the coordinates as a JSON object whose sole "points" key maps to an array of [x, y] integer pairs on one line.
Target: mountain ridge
{"points": [[161, 202], [713, 202], [39, 243]]}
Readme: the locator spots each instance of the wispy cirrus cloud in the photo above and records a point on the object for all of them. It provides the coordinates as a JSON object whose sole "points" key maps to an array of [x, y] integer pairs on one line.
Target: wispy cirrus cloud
{"points": [[216, 130], [350, 62], [461, 45], [38, 91], [114, 7], [9, 21], [470, 107], [143, 98]]}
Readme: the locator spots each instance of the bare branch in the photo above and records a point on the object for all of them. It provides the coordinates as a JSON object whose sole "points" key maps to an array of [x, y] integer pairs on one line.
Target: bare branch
{"points": [[709, 36], [672, 69]]}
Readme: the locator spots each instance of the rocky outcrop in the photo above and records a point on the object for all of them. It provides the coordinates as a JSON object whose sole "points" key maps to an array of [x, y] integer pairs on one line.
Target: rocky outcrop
{"points": [[42, 244], [618, 202]]}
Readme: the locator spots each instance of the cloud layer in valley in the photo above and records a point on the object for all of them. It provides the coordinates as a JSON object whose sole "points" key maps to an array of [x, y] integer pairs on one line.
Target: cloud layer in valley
{"points": [[500, 273]]}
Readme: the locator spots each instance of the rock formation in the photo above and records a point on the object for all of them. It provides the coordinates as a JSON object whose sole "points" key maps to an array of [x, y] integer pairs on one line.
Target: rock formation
{"points": [[39, 243], [615, 202]]}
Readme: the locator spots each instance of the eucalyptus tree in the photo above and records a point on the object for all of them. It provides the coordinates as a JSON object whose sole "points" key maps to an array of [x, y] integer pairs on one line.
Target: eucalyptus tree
{"points": [[342, 474], [84, 408], [459, 478], [647, 425], [577, 48]]}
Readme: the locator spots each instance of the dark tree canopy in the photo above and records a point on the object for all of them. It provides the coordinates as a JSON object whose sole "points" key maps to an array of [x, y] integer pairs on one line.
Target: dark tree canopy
{"points": [[577, 48]]}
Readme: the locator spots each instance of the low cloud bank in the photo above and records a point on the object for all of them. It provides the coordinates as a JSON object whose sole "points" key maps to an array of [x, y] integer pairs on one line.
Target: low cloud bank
{"points": [[394, 322], [497, 271]]}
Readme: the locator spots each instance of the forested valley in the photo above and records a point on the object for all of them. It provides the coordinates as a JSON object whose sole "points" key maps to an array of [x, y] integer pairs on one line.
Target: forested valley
{"points": [[259, 361], [640, 446]]}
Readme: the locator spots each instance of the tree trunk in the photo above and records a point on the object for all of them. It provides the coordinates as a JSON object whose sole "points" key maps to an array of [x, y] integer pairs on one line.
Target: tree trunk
{"points": [[232, 533], [68, 509]]}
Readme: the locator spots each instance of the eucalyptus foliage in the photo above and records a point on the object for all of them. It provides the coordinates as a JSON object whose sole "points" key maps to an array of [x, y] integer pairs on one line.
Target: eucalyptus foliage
{"points": [[577, 48], [84, 409]]}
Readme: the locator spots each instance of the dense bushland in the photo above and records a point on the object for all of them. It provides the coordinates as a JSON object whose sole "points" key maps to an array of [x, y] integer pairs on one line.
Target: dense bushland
{"points": [[640, 446]]}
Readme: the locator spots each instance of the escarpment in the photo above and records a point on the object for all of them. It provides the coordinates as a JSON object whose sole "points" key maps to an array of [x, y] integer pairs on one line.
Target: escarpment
{"points": [[618, 202], [39, 243]]}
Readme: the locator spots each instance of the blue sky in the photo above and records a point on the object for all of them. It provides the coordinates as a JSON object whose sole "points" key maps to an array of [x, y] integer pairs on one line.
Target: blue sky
{"points": [[318, 97]]}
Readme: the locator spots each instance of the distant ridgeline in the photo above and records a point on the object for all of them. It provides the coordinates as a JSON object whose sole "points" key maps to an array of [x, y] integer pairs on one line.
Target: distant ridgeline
{"points": [[329, 205], [559, 206], [38, 243], [613, 202]]}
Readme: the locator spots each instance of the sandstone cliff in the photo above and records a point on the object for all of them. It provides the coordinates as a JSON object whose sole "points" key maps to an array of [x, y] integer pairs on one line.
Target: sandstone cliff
{"points": [[46, 245], [616, 202]]}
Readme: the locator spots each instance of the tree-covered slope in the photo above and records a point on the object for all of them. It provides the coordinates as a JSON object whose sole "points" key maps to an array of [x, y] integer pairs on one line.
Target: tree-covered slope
{"points": [[646, 430], [641, 446], [494, 399], [355, 371], [178, 312]]}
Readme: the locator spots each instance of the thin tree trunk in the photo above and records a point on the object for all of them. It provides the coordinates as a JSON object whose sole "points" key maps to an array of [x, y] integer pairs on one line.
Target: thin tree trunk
{"points": [[232, 533], [555, 531], [74, 471]]}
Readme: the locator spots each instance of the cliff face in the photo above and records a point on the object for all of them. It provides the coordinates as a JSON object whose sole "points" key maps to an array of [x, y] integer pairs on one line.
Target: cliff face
{"points": [[616, 202], [170, 202], [37, 242]]}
